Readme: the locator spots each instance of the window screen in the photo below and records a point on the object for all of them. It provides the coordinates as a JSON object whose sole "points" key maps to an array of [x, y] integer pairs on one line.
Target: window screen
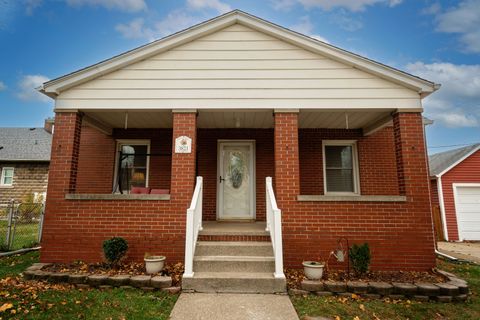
{"points": [[339, 168]]}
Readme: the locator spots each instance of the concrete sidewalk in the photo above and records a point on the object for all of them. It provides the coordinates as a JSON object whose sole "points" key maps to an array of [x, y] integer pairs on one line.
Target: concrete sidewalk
{"points": [[461, 250], [211, 306]]}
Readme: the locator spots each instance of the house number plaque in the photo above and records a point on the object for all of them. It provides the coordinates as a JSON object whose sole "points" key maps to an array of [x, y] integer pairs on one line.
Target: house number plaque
{"points": [[183, 144]]}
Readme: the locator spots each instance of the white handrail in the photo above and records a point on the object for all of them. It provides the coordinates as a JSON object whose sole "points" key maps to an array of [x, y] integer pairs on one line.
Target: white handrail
{"points": [[194, 225], [274, 226]]}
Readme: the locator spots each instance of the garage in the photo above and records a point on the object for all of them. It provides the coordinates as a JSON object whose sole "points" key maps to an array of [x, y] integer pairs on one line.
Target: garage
{"points": [[467, 206]]}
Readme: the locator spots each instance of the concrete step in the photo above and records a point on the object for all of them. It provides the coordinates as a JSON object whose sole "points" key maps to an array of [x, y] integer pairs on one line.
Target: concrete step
{"points": [[233, 248], [234, 282], [234, 264]]}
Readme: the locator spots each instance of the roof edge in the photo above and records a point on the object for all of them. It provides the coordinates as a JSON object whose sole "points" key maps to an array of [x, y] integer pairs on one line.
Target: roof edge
{"points": [[438, 175]]}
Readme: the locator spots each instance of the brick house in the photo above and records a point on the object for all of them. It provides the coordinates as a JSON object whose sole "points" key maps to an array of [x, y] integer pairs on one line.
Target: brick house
{"points": [[455, 186], [24, 161], [236, 100]]}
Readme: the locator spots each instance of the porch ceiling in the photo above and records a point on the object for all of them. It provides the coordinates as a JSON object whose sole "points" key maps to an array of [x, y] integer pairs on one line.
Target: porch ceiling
{"points": [[331, 119]]}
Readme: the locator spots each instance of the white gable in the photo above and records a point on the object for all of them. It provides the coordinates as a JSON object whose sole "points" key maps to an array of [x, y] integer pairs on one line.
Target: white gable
{"points": [[238, 67]]}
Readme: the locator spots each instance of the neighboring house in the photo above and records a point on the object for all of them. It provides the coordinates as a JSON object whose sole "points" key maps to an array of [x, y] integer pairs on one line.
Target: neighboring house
{"points": [[235, 100], [24, 161], [455, 185]]}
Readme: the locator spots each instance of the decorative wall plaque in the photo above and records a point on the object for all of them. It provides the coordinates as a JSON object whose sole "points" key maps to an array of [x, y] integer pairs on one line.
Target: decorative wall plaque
{"points": [[183, 144]]}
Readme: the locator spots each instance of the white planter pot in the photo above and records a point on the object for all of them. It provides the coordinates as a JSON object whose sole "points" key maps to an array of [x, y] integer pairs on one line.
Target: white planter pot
{"points": [[154, 264], [313, 270]]}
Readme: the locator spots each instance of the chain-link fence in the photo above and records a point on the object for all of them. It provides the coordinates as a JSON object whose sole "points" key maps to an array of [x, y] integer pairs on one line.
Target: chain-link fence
{"points": [[20, 225]]}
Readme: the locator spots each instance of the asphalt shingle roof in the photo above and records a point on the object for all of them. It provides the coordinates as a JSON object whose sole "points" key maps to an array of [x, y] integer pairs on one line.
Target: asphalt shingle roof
{"points": [[441, 161], [25, 144]]}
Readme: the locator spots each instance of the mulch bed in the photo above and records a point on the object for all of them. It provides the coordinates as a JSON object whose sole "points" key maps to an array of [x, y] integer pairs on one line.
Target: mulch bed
{"points": [[295, 277], [125, 268]]}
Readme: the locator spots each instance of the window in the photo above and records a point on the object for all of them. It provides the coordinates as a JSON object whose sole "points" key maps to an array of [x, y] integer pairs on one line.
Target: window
{"points": [[132, 165], [7, 177], [340, 167]]}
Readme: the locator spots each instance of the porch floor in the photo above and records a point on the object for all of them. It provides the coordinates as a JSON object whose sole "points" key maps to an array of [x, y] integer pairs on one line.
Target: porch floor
{"points": [[215, 228]]}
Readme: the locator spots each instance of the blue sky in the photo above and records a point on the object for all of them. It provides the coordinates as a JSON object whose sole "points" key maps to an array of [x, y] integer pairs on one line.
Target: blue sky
{"points": [[440, 41]]}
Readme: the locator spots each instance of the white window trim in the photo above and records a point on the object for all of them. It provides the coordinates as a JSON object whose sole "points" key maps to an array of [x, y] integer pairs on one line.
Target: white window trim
{"points": [[3, 177], [356, 176], [133, 142]]}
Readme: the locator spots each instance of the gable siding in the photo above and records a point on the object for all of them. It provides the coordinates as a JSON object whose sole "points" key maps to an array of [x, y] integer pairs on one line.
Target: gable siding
{"points": [[238, 67], [468, 171]]}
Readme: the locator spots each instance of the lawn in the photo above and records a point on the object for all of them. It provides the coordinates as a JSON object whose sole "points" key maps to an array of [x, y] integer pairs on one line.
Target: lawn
{"points": [[25, 235], [37, 300], [347, 308]]}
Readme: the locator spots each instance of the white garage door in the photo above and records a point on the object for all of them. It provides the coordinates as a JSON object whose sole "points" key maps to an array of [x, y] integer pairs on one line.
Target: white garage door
{"points": [[467, 205]]}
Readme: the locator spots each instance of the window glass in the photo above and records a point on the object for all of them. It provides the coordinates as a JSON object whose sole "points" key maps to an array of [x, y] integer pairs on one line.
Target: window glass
{"points": [[7, 176], [339, 168], [133, 166]]}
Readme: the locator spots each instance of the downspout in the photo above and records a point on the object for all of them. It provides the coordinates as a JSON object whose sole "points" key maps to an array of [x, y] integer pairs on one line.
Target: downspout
{"points": [[442, 206]]}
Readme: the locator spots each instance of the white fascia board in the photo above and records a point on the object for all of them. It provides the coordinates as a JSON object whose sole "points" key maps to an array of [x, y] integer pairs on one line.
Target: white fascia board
{"points": [[457, 162], [423, 87]]}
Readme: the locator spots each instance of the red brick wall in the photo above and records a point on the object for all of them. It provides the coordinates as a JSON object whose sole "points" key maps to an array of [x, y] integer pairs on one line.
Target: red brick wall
{"points": [[207, 164], [75, 229], [376, 154], [400, 233], [468, 171], [96, 162]]}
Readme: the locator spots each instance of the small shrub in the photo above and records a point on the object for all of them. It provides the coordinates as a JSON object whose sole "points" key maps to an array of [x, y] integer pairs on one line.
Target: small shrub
{"points": [[360, 257], [115, 249]]}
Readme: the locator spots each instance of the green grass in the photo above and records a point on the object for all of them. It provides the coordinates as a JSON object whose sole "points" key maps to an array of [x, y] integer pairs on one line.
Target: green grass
{"points": [[26, 235], [379, 309], [59, 302]]}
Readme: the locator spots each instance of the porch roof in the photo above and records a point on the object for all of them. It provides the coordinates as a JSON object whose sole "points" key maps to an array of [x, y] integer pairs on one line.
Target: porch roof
{"points": [[368, 120]]}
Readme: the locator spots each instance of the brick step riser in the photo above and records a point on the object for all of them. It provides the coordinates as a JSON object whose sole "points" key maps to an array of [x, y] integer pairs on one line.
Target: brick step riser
{"points": [[232, 238]]}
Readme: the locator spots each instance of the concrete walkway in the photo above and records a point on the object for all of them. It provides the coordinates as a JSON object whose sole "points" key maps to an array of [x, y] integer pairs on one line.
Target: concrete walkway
{"points": [[461, 250], [211, 306]]}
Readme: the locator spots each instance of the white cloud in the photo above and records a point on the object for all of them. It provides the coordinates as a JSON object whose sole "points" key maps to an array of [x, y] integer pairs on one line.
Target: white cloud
{"points": [[173, 22], [352, 5], [135, 29], [27, 88], [3, 86], [305, 26], [457, 103], [31, 5], [124, 5], [463, 19], [346, 21], [217, 5]]}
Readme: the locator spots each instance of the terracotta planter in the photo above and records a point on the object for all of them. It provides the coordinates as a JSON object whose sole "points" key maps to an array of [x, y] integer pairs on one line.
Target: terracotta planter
{"points": [[154, 264], [313, 270]]}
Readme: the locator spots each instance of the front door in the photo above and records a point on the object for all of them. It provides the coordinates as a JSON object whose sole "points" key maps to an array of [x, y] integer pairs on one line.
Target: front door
{"points": [[236, 180]]}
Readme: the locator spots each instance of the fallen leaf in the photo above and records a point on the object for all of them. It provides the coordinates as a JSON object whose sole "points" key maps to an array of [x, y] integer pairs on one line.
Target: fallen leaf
{"points": [[6, 306], [362, 307]]}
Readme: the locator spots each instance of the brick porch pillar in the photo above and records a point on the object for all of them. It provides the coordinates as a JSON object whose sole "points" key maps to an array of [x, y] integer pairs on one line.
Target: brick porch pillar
{"points": [[413, 180], [287, 169], [62, 175], [183, 164]]}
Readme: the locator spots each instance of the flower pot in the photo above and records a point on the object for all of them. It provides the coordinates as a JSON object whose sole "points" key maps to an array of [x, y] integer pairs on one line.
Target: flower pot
{"points": [[313, 270], [154, 264]]}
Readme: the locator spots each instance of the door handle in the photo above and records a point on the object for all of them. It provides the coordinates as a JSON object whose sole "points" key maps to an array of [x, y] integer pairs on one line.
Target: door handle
{"points": [[220, 179]]}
